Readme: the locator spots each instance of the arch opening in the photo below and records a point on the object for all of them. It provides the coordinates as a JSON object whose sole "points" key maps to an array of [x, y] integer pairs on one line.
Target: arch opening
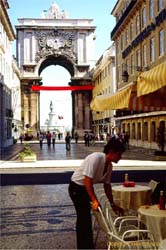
{"points": [[55, 106], [60, 60]]}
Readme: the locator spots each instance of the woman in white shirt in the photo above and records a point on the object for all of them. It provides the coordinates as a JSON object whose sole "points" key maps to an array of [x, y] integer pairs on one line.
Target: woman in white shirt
{"points": [[96, 168]]}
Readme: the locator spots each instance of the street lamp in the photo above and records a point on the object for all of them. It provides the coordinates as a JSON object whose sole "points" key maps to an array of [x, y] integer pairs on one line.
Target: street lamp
{"points": [[125, 74]]}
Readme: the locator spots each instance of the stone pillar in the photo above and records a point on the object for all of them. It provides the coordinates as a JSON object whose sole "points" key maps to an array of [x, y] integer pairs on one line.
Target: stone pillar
{"points": [[25, 108], [80, 111], [34, 114]]}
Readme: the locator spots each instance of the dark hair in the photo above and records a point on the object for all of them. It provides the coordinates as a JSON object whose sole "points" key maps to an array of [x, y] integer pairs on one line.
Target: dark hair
{"points": [[114, 144]]}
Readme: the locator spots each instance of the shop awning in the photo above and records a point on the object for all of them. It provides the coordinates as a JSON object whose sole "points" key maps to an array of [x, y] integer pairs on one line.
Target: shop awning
{"points": [[119, 100], [152, 80]]}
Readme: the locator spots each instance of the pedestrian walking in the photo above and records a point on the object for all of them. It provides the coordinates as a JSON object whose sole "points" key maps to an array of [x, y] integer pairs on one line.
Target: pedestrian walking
{"points": [[41, 137], [86, 139], [68, 141], [96, 168], [53, 139], [48, 137], [76, 137]]}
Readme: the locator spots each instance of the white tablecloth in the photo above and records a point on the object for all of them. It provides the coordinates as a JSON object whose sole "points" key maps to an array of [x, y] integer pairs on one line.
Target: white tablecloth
{"points": [[132, 197], [155, 220]]}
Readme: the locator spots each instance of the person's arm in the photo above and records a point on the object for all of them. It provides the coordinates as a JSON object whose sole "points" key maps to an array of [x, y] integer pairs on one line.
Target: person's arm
{"points": [[108, 191], [88, 182]]}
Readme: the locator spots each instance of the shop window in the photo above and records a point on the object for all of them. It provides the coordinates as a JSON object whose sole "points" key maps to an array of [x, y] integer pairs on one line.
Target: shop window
{"points": [[145, 131], [133, 131], [153, 132], [139, 131], [128, 128]]}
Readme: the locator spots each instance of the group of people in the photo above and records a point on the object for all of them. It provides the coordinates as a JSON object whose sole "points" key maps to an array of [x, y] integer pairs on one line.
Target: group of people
{"points": [[49, 137]]}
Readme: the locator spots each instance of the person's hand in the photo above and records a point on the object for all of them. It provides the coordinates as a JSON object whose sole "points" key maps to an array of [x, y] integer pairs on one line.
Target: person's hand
{"points": [[94, 205], [118, 210]]}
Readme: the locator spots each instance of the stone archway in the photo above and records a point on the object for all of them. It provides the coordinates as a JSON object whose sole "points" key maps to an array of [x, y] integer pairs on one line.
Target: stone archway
{"points": [[49, 41]]}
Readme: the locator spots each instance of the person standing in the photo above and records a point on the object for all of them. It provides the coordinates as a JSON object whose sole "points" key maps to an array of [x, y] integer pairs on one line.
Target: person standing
{"points": [[48, 137], [96, 168], [53, 139], [76, 137], [41, 137], [68, 140]]}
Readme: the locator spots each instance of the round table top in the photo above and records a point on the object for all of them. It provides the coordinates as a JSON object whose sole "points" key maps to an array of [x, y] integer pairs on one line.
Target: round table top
{"points": [[136, 188], [152, 210]]}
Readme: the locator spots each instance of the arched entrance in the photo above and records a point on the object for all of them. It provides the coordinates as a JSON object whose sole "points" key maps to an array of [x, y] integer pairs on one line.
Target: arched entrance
{"points": [[49, 41], [60, 120]]}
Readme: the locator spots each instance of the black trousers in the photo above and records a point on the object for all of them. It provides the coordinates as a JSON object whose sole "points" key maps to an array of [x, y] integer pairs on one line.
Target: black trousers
{"points": [[82, 206]]}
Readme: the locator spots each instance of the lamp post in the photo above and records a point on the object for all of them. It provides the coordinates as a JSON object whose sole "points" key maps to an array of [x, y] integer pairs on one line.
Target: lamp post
{"points": [[125, 74]]}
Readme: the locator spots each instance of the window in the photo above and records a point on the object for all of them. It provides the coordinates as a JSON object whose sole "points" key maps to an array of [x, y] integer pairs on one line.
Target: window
{"points": [[127, 36], [139, 131], [161, 42], [144, 17], [121, 42], [131, 31], [153, 129], [132, 64], [144, 57], [138, 58], [152, 50], [151, 9], [145, 131], [160, 6], [133, 131], [137, 25]]}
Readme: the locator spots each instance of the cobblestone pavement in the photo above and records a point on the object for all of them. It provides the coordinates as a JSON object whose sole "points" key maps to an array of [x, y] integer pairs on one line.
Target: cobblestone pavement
{"points": [[78, 151], [38, 217]]}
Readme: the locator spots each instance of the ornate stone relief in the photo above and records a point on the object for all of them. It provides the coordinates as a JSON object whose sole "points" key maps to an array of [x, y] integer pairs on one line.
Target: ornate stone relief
{"points": [[56, 43]]}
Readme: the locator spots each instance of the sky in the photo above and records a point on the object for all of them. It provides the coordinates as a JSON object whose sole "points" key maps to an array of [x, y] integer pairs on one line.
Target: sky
{"points": [[99, 11]]}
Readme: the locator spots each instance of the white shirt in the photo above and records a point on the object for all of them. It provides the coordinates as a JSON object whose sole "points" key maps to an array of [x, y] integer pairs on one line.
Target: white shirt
{"points": [[93, 167]]}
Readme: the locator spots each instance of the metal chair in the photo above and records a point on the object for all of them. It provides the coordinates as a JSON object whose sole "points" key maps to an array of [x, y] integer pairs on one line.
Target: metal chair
{"points": [[142, 238]]}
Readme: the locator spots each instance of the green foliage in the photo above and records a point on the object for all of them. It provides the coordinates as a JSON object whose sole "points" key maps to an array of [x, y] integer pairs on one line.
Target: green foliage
{"points": [[26, 152]]}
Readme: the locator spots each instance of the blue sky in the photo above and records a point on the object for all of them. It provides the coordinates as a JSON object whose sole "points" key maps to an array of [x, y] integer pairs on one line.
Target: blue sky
{"points": [[99, 11]]}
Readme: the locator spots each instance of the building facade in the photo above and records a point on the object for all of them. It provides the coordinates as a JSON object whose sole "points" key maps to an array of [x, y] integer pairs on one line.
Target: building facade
{"points": [[140, 40], [104, 85], [7, 72]]}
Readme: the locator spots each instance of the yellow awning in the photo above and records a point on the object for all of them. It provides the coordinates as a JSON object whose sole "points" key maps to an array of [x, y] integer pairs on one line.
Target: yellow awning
{"points": [[119, 100], [152, 80]]}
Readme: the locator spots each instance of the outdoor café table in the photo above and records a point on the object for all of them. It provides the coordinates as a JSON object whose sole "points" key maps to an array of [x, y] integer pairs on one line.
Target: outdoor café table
{"points": [[155, 220], [131, 198]]}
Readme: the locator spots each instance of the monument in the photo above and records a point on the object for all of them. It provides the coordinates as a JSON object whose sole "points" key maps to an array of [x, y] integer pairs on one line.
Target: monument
{"points": [[55, 39], [52, 121]]}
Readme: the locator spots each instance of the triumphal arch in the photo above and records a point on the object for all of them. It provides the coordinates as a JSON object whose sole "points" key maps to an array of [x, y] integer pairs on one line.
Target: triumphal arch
{"points": [[54, 39]]}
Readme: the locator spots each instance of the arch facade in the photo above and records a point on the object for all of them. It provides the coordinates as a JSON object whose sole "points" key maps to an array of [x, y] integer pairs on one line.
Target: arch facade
{"points": [[65, 42]]}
